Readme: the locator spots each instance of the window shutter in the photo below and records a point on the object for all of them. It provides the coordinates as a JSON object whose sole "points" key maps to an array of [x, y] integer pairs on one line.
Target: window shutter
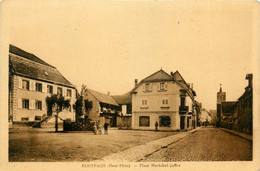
{"points": [[151, 87], [64, 91], [158, 86], [31, 104], [72, 92], [166, 86], [44, 88], [54, 89], [43, 106], [143, 87], [32, 85], [20, 103], [20, 83]]}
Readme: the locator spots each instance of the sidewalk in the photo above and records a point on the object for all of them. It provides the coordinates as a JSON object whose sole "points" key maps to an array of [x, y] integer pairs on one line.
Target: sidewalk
{"points": [[242, 135], [138, 153]]}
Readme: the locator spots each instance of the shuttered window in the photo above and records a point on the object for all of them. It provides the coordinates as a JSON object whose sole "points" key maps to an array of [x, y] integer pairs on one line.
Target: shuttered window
{"points": [[25, 103], [25, 84]]}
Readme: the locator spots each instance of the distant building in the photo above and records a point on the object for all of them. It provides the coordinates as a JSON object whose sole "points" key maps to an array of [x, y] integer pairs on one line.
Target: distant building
{"points": [[165, 99], [104, 107], [237, 115], [205, 117], [213, 116], [31, 80], [221, 97]]}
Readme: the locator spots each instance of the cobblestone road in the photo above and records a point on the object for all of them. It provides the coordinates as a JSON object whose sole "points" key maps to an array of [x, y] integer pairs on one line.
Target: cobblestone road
{"points": [[207, 144]]}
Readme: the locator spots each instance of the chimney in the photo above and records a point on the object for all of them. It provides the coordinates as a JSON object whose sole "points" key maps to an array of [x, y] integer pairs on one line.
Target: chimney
{"points": [[249, 77], [191, 85], [108, 93], [136, 81]]}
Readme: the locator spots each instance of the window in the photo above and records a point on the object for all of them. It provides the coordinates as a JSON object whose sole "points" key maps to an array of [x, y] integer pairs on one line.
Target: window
{"points": [[38, 105], [25, 104], [182, 101], [50, 89], [144, 102], [25, 84], [162, 87], [147, 87], [38, 118], [144, 121], [24, 119], [68, 92], [39, 87], [165, 121], [59, 90], [164, 101]]}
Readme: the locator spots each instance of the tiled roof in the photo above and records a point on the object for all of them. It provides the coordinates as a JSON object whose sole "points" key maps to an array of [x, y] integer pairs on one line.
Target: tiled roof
{"points": [[158, 76], [27, 55], [36, 69], [103, 98], [123, 99]]}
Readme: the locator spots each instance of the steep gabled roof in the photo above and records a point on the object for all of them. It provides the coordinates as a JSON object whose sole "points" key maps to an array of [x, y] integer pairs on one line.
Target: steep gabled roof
{"points": [[34, 68], [123, 99], [103, 98], [177, 77], [27, 55], [155, 77], [158, 76]]}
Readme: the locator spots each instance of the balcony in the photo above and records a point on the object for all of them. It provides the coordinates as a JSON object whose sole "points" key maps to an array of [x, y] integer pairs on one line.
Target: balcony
{"points": [[183, 109]]}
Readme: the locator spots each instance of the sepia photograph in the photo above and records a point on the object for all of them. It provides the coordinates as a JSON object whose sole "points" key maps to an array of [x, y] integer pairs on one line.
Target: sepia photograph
{"points": [[129, 85]]}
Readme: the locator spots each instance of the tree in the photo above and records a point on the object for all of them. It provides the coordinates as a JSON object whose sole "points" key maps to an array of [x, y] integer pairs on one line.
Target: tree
{"points": [[80, 108], [57, 103]]}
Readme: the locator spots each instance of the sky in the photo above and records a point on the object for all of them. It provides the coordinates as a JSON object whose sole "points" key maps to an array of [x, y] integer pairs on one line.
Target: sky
{"points": [[106, 45]]}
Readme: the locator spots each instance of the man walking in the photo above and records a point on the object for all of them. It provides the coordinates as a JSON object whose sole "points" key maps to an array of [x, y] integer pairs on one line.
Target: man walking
{"points": [[156, 126]]}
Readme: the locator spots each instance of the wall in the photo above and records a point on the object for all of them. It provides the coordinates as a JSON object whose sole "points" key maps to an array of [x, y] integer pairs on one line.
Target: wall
{"points": [[154, 116], [94, 113], [32, 95]]}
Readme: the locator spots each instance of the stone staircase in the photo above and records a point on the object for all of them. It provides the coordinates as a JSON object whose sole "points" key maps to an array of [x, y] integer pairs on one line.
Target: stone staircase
{"points": [[38, 124]]}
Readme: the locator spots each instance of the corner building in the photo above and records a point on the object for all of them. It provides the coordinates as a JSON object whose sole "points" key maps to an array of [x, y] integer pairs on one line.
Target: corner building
{"points": [[165, 99]]}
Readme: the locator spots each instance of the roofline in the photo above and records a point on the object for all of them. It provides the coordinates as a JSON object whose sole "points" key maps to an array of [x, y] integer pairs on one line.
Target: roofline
{"points": [[21, 75], [44, 63], [149, 81], [102, 93], [180, 75]]}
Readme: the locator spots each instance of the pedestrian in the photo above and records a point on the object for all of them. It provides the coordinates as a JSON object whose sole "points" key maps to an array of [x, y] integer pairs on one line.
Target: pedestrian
{"points": [[95, 128], [106, 128], [99, 128], [156, 126]]}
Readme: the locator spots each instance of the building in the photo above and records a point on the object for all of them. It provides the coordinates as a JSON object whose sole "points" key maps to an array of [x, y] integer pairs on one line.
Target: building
{"points": [[104, 107], [221, 97], [31, 80], [213, 116], [165, 99], [242, 118], [237, 115], [124, 120], [205, 117], [227, 111]]}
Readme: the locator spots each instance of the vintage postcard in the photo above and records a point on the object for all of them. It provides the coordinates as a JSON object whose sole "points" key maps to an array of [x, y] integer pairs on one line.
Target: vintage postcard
{"points": [[129, 85]]}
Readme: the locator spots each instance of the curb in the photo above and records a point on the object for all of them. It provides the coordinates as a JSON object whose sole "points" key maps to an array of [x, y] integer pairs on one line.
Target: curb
{"points": [[236, 134], [138, 153]]}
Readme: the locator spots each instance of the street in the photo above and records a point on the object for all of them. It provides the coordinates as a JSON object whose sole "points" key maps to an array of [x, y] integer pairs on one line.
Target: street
{"points": [[207, 144]]}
